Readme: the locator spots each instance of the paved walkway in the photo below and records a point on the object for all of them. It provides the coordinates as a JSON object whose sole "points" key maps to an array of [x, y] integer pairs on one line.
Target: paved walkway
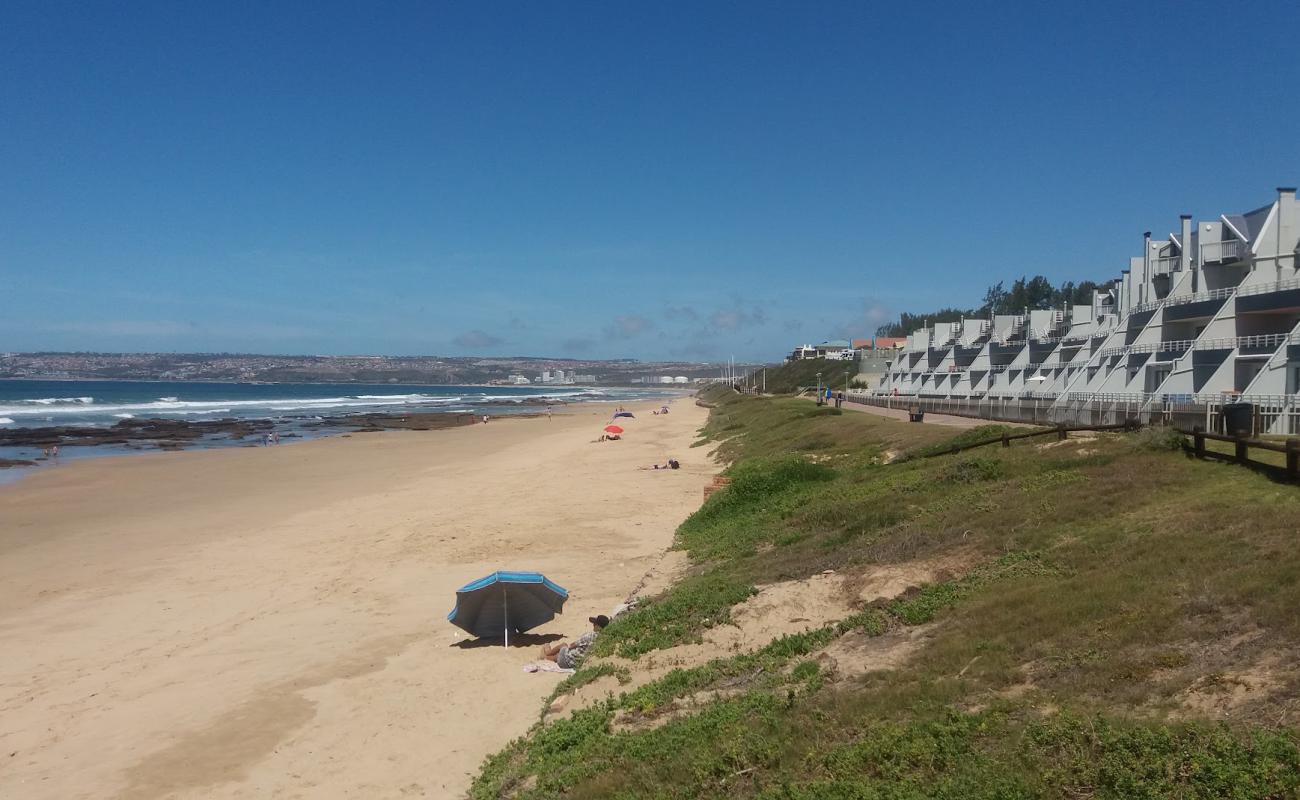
{"points": [[931, 418]]}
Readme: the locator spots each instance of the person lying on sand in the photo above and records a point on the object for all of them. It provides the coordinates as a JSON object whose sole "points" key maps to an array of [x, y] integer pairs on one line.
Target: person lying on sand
{"points": [[568, 655], [672, 464]]}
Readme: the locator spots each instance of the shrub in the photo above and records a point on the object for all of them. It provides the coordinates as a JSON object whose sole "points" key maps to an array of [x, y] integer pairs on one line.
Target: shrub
{"points": [[1159, 438], [972, 470]]}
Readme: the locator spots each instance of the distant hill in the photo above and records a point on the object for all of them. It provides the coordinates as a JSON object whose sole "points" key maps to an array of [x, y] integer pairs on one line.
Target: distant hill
{"points": [[329, 369]]}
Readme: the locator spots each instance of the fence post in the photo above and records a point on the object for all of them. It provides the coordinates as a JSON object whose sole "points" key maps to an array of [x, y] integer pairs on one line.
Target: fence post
{"points": [[1006, 439], [1293, 458], [1198, 440], [1243, 451]]}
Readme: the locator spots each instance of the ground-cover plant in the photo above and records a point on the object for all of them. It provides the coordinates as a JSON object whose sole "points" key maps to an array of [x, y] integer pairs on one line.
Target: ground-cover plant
{"points": [[558, 755], [997, 755], [1160, 590], [966, 438], [681, 615]]}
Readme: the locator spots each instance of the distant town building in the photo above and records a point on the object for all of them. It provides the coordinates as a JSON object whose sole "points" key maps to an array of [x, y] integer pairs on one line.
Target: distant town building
{"points": [[837, 349], [583, 379], [557, 377], [880, 343], [519, 380]]}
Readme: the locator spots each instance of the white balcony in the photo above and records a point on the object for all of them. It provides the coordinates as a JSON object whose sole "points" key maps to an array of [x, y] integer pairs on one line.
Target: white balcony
{"points": [[1166, 265], [1224, 252]]}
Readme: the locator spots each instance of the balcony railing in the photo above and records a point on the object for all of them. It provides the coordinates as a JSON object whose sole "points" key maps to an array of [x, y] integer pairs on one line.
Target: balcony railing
{"points": [[1269, 341], [1198, 297], [1220, 294], [1257, 342], [1150, 347], [1266, 288], [1166, 265], [1222, 252]]}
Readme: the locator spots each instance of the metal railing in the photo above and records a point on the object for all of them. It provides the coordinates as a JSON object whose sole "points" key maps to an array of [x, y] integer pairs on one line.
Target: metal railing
{"points": [[1150, 347], [1219, 294], [1267, 288], [1222, 252], [1198, 297], [1108, 397], [1166, 265], [1263, 340]]}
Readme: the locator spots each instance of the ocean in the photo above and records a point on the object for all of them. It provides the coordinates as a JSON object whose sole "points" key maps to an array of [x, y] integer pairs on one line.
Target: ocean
{"points": [[27, 404]]}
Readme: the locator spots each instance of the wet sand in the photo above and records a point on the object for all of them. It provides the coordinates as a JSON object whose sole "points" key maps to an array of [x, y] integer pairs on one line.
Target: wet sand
{"points": [[270, 622]]}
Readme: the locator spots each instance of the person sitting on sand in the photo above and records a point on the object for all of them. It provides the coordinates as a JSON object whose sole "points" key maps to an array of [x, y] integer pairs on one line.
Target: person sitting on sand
{"points": [[569, 655]]}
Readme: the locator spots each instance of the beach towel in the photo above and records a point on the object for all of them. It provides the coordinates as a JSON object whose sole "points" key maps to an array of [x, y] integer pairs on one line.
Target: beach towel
{"points": [[545, 666]]}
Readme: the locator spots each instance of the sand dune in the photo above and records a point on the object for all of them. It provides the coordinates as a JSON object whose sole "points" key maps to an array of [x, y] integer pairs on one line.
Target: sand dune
{"points": [[269, 622]]}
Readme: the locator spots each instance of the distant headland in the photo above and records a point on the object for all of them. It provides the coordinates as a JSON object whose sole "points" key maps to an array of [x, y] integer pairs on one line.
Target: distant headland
{"points": [[241, 367]]}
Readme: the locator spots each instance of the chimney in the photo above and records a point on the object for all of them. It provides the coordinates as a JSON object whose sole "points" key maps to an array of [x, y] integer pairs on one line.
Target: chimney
{"points": [[1146, 267], [1185, 251], [1288, 226]]}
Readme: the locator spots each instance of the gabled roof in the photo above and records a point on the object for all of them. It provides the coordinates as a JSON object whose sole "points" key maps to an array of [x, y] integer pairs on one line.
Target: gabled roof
{"points": [[1254, 222], [1236, 224]]}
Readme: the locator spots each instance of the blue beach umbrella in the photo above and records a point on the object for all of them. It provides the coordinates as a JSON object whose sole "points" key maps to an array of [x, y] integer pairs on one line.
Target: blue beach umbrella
{"points": [[507, 601]]}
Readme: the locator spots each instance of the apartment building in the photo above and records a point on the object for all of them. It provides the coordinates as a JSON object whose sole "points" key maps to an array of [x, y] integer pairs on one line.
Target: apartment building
{"points": [[1207, 315]]}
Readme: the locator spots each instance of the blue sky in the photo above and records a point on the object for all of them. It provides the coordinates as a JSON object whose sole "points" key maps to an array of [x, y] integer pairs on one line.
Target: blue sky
{"points": [[653, 180]]}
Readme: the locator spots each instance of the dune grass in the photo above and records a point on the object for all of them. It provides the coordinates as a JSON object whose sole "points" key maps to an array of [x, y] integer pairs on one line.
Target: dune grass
{"points": [[1125, 626], [794, 375]]}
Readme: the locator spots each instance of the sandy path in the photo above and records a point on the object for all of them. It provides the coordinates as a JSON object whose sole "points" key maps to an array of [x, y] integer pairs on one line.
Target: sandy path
{"points": [[268, 622]]}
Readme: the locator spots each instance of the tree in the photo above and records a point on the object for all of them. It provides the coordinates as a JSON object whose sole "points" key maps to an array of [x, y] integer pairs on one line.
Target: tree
{"points": [[1036, 294]]}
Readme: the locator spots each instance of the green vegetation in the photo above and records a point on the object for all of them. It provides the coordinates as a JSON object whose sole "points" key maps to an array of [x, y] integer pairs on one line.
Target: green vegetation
{"points": [[697, 603], [1113, 620], [795, 375], [1036, 293]]}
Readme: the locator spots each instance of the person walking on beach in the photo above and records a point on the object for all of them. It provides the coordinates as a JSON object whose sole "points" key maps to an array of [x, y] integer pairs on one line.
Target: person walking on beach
{"points": [[569, 655], [485, 419], [548, 412]]}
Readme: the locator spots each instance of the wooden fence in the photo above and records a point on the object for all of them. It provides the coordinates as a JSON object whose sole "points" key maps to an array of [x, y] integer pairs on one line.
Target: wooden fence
{"points": [[1241, 451], [1061, 432]]}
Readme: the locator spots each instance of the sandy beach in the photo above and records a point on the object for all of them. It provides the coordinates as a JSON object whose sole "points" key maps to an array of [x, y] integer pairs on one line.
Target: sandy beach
{"points": [[270, 622]]}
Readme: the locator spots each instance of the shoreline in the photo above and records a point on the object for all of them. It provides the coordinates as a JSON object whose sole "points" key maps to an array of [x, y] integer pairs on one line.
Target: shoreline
{"points": [[144, 435], [687, 388], [230, 621]]}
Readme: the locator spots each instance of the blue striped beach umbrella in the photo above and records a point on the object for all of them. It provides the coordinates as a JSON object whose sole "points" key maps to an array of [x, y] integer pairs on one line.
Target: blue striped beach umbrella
{"points": [[505, 602]]}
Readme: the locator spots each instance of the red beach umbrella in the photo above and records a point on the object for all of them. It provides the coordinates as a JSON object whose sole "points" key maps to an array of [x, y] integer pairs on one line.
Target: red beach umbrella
{"points": [[613, 429]]}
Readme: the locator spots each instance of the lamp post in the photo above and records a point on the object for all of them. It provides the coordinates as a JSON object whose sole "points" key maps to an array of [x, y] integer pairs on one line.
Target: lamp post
{"points": [[819, 388]]}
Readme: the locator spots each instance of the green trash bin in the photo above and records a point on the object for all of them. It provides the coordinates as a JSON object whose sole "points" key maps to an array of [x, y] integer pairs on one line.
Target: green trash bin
{"points": [[1239, 419]]}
